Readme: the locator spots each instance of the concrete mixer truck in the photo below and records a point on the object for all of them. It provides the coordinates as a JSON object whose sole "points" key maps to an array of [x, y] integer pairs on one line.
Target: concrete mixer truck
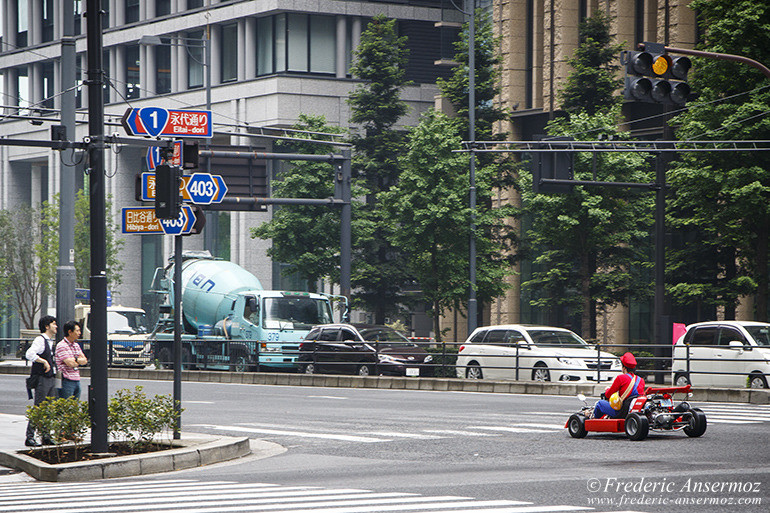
{"points": [[229, 321]]}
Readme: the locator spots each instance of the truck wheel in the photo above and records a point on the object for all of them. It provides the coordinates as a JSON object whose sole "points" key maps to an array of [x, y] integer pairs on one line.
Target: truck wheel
{"points": [[577, 426], [637, 427], [697, 423], [165, 359], [239, 363], [187, 359]]}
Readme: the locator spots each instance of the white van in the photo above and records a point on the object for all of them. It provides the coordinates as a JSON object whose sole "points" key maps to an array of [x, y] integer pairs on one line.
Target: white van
{"points": [[732, 354], [542, 353]]}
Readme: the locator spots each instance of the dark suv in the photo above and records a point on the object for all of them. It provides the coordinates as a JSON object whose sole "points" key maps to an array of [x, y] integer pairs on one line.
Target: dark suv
{"points": [[362, 349]]}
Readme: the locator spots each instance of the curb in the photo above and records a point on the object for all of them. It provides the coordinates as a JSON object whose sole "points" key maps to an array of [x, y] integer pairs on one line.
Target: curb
{"points": [[726, 395], [194, 450]]}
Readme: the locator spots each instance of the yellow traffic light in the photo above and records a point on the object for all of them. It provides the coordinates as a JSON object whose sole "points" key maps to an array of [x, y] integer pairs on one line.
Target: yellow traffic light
{"points": [[660, 65]]}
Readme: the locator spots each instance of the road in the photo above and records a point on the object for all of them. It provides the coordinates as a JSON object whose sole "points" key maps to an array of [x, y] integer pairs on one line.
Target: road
{"points": [[496, 451]]}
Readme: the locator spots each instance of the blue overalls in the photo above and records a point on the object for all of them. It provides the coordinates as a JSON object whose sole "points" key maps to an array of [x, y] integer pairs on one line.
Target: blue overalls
{"points": [[603, 406]]}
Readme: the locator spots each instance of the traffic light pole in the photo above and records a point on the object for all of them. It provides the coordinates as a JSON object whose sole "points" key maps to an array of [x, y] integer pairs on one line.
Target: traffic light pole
{"points": [[722, 56]]}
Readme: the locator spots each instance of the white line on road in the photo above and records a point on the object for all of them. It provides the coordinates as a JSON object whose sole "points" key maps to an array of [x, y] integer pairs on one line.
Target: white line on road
{"points": [[509, 429], [302, 434], [396, 434]]}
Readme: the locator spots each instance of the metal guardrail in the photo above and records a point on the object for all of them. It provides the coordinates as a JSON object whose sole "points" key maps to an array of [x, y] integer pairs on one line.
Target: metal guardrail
{"points": [[253, 355]]}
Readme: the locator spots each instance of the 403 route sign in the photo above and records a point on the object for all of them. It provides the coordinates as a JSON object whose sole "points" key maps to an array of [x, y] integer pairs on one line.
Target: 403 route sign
{"points": [[199, 188], [205, 188], [159, 122], [142, 220]]}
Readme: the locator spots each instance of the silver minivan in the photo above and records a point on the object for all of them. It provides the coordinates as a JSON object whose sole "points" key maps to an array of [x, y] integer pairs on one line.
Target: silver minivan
{"points": [[732, 354]]}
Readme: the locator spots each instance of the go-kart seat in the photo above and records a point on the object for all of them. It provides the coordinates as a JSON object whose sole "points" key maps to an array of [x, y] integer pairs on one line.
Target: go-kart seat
{"points": [[626, 406]]}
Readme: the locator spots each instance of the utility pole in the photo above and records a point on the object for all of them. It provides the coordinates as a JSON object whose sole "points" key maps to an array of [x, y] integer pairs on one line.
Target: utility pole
{"points": [[472, 303], [98, 392], [65, 272]]}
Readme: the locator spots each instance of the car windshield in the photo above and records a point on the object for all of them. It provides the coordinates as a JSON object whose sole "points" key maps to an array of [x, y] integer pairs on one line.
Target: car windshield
{"points": [[387, 336], [761, 334], [126, 322], [301, 312], [557, 338]]}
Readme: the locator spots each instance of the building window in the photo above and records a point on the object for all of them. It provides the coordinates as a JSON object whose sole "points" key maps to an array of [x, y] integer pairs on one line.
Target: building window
{"points": [[107, 85], [229, 54], [80, 61], [162, 7], [132, 11], [22, 87], [298, 42], [323, 38], [195, 59], [194, 4], [265, 65], [21, 23], [133, 86], [49, 89], [47, 20], [163, 69]]}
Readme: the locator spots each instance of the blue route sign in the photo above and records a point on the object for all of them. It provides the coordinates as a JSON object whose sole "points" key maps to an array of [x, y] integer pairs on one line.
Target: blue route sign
{"points": [[202, 188], [182, 225]]}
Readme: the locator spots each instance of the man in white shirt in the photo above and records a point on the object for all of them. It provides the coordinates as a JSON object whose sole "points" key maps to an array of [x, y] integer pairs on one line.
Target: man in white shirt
{"points": [[41, 354]]}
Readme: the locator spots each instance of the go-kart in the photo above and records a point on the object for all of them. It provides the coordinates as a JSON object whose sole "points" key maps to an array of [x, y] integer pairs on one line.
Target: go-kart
{"points": [[653, 410]]}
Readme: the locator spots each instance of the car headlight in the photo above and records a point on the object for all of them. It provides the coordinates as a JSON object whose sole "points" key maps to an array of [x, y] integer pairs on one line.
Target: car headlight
{"points": [[428, 359], [570, 362], [385, 358]]}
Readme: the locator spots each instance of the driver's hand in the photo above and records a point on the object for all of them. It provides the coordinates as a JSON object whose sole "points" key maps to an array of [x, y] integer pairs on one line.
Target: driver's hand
{"points": [[604, 396], [46, 365]]}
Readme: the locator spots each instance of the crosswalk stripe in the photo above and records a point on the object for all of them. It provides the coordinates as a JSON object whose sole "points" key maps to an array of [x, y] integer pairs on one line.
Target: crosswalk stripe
{"points": [[509, 429], [457, 432], [544, 426], [303, 434], [709, 420], [395, 434], [170, 489]]}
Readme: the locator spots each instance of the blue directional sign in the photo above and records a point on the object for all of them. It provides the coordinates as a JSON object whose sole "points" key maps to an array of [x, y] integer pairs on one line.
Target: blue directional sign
{"points": [[222, 189], [202, 188], [182, 225]]}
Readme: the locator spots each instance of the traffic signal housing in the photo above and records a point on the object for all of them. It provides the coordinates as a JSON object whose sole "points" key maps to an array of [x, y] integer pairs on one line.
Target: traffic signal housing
{"points": [[167, 199], [558, 165], [655, 76]]}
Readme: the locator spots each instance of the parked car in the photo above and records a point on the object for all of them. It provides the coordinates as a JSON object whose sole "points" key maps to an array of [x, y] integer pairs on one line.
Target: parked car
{"points": [[723, 354], [362, 349], [544, 354]]}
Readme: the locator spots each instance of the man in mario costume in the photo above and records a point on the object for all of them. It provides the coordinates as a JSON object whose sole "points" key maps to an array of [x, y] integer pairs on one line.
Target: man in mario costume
{"points": [[624, 386]]}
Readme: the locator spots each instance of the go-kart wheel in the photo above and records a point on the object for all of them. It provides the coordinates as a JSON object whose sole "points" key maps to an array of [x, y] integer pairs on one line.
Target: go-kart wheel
{"points": [[681, 380], [577, 426], [697, 423], [637, 427]]}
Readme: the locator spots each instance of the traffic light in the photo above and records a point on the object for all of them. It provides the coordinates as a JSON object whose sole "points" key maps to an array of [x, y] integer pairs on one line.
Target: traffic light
{"points": [[654, 76], [167, 199]]}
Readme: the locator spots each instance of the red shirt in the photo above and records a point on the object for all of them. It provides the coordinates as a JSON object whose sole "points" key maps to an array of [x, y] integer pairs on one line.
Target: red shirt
{"points": [[620, 384], [64, 350]]}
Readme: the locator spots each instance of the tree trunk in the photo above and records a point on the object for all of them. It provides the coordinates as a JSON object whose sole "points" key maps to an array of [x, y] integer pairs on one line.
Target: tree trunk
{"points": [[761, 266]]}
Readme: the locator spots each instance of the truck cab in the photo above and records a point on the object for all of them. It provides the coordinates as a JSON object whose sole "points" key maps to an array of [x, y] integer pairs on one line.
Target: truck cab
{"points": [[127, 334]]}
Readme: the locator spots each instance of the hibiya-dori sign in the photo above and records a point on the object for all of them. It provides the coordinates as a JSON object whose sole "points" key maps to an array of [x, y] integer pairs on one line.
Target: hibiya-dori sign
{"points": [[159, 122], [142, 220]]}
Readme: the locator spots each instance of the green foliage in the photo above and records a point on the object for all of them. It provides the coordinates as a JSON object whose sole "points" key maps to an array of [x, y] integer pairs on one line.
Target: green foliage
{"points": [[720, 200], [305, 237], [444, 360], [60, 420], [430, 218], [591, 86], [82, 241], [486, 76], [137, 419], [378, 273], [27, 261], [589, 245]]}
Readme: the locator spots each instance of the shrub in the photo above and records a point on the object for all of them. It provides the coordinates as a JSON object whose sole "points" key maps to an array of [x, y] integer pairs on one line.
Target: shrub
{"points": [[60, 420], [444, 360], [137, 419]]}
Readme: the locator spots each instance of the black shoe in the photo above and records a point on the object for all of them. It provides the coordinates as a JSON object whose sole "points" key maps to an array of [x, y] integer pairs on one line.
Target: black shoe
{"points": [[31, 442]]}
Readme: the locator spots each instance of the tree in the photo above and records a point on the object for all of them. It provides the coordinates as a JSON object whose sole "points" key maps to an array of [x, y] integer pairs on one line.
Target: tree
{"points": [[380, 60], [305, 236], [721, 199], [430, 214], [592, 84], [82, 241], [589, 245], [25, 262]]}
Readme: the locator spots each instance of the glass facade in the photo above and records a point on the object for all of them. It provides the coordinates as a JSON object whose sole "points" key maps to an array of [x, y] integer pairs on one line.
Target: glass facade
{"points": [[195, 59], [229, 54], [162, 69], [133, 86]]}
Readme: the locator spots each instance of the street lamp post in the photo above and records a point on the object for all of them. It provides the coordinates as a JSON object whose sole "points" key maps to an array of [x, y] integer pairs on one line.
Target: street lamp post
{"points": [[472, 303]]}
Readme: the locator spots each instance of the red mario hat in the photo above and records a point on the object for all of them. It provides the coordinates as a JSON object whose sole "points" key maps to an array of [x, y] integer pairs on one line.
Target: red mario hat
{"points": [[628, 361]]}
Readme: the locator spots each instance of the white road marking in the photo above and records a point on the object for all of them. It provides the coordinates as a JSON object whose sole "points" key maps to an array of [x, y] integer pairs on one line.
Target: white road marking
{"points": [[326, 397], [285, 432], [509, 429], [457, 432], [396, 434]]}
